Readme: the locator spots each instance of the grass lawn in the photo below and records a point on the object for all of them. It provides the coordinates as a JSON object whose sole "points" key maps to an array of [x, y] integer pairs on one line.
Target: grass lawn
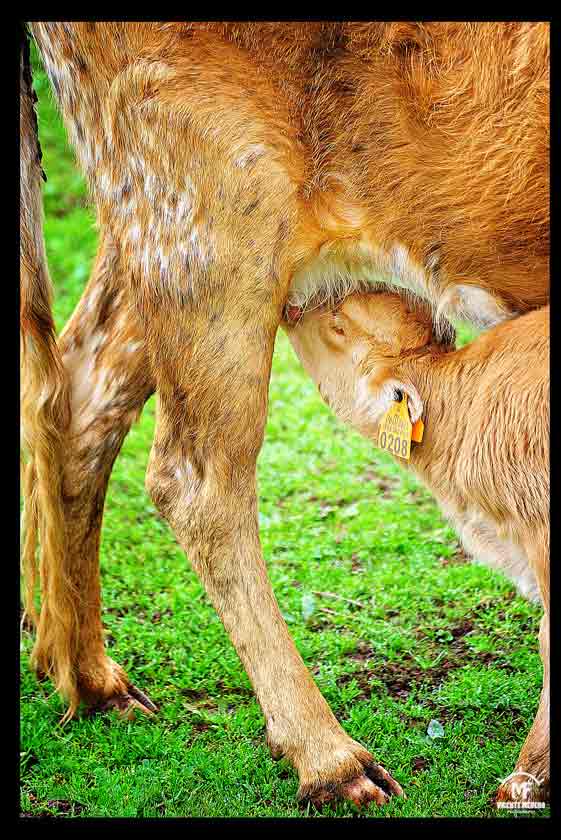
{"points": [[397, 628]]}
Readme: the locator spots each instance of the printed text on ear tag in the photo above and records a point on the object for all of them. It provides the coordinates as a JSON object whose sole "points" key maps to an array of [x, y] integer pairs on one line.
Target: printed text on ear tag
{"points": [[395, 430]]}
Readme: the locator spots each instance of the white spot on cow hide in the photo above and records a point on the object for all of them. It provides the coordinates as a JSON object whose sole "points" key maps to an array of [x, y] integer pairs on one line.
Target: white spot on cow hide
{"points": [[473, 304], [252, 153]]}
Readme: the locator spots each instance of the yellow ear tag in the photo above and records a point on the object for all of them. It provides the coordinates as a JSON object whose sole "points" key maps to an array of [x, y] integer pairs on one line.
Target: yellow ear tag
{"points": [[395, 430]]}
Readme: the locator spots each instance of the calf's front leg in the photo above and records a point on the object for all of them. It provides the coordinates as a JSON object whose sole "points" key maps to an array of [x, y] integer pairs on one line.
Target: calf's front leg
{"points": [[530, 781]]}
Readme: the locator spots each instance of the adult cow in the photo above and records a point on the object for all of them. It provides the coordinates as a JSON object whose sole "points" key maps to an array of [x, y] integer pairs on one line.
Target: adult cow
{"points": [[235, 167]]}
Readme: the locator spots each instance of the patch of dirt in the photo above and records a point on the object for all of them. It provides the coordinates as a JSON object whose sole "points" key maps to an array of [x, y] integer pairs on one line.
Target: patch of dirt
{"points": [[118, 611], [66, 807], [362, 653], [412, 722], [399, 678], [383, 483], [135, 660], [356, 564], [524, 624], [157, 616], [386, 487], [461, 629], [207, 700], [193, 694], [71, 203], [320, 622], [329, 506], [363, 681], [487, 657], [419, 763], [228, 689], [515, 718], [493, 800], [201, 725], [62, 806], [140, 615]]}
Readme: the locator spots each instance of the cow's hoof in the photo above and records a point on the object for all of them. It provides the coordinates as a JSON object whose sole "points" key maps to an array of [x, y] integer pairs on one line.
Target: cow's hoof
{"points": [[374, 785], [126, 703], [523, 787]]}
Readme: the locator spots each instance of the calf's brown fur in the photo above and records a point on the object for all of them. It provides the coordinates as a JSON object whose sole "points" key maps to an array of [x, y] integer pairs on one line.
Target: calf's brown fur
{"points": [[485, 449], [233, 168]]}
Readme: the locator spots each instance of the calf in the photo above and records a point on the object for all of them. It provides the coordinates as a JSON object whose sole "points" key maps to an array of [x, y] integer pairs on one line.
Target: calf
{"points": [[485, 448]]}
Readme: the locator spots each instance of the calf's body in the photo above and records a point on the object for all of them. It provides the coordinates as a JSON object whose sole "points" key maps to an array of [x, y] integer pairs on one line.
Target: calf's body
{"points": [[485, 449]]}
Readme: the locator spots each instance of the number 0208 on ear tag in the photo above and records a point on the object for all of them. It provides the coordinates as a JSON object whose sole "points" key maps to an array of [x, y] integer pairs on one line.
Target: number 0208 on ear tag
{"points": [[395, 430]]}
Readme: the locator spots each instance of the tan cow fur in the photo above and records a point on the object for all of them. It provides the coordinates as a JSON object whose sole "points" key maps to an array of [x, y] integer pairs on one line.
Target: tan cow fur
{"points": [[235, 168]]}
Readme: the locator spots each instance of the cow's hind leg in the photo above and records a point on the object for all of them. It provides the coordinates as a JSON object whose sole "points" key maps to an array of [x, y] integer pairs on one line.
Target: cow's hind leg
{"points": [[212, 408], [211, 354], [104, 353]]}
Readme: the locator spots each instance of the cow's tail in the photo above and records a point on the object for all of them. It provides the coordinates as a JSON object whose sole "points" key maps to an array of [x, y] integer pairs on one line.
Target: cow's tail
{"points": [[45, 419]]}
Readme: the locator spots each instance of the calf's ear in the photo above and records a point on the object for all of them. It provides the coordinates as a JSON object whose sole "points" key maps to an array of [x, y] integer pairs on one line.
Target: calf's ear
{"points": [[375, 395]]}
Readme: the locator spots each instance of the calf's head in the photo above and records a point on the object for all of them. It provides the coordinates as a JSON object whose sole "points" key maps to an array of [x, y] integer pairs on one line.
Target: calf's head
{"points": [[355, 354]]}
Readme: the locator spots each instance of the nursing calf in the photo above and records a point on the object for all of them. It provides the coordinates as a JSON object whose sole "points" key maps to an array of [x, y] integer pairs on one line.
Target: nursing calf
{"points": [[485, 449]]}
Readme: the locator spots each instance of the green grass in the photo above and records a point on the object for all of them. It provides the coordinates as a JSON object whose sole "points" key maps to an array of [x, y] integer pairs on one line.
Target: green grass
{"points": [[415, 634]]}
